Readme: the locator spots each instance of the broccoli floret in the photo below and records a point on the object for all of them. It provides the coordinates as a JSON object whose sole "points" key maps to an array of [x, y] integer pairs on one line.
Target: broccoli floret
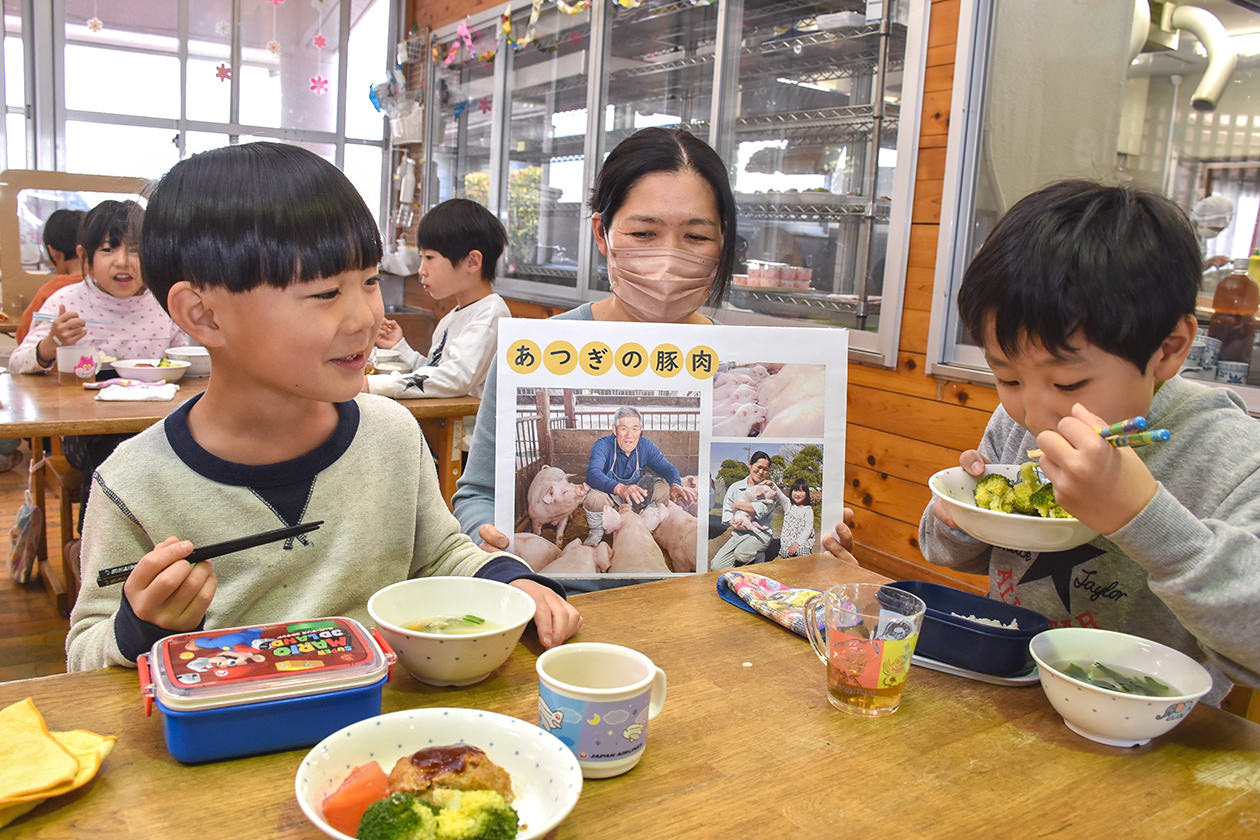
{"points": [[1028, 475], [1021, 498], [399, 816], [474, 815], [994, 492], [1043, 501]]}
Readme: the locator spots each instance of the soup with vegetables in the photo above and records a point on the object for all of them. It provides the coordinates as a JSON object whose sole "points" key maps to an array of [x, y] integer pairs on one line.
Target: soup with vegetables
{"points": [[1115, 678], [453, 625]]}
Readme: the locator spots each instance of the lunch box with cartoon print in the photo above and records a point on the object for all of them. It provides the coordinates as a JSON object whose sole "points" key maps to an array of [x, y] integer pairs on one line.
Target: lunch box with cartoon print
{"points": [[246, 690]]}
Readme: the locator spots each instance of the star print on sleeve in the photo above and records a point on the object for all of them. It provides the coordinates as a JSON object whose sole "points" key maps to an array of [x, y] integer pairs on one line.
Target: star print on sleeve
{"points": [[1058, 566], [415, 380]]}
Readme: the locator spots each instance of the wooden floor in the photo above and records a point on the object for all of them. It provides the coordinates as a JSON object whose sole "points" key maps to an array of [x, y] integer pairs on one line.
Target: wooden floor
{"points": [[32, 633]]}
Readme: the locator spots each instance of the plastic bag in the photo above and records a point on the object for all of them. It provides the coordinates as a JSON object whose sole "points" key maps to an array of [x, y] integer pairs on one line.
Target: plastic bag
{"points": [[24, 540]]}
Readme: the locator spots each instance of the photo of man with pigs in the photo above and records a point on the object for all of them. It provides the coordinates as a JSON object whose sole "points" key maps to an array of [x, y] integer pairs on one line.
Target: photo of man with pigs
{"points": [[634, 514]]}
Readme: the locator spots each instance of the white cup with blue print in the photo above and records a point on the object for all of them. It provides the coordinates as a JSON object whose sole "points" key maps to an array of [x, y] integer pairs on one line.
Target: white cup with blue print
{"points": [[1194, 359], [1232, 373], [1211, 352], [597, 699]]}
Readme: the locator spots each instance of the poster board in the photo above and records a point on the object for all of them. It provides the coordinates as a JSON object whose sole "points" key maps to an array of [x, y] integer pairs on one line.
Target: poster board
{"points": [[707, 399]]}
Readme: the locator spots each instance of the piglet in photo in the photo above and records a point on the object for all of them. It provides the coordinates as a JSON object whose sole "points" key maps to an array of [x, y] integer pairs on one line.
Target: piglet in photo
{"points": [[534, 550], [552, 499], [741, 422], [634, 549], [578, 559], [676, 535]]}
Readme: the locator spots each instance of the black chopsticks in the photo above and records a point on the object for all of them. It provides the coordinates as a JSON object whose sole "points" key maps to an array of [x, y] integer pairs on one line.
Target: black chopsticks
{"points": [[117, 574]]}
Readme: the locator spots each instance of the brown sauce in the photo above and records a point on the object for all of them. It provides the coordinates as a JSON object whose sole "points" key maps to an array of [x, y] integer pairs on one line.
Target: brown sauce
{"points": [[434, 761]]}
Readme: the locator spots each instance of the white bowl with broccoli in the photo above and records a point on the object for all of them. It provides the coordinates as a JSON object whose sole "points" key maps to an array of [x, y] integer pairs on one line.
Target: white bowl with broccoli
{"points": [[1005, 526]]}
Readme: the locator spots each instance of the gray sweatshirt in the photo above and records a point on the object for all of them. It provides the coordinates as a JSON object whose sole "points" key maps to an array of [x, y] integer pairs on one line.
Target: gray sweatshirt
{"points": [[1184, 572], [373, 484]]}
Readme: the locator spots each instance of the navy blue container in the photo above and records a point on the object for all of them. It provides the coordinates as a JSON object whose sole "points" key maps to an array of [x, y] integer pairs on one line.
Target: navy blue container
{"points": [[248, 690], [947, 636]]}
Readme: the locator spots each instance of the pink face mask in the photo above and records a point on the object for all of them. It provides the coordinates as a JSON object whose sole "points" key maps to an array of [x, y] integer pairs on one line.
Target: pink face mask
{"points": [[660, 284]]}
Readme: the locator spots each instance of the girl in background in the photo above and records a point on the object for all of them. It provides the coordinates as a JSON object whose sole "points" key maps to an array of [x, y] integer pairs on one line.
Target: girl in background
{"points": [[796, 535], [110, 311]]}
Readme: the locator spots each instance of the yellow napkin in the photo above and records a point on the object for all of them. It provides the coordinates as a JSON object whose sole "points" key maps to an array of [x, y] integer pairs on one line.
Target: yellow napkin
{"points": [[36, 764]]}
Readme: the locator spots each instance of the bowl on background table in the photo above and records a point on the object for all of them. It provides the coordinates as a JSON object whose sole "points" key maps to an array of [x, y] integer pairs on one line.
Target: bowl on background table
{"points": [[148, 370], [1110, 717], [952, 636], [956, 488], [440, 658], [546, 778], [198, 359]]}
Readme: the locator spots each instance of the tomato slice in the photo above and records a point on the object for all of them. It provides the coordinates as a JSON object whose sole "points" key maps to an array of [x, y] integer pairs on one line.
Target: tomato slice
{"points": [[344, 807]]}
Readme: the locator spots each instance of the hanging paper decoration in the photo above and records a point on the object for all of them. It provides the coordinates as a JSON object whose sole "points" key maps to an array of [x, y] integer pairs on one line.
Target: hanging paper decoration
{"points": [[629, 4], [484, 104], [573, 8], [224, 73], [460, 107], [277, 3], [222, 28], [319, 85], [94, 23], [531, 28], [464, 39], [273, 46]]}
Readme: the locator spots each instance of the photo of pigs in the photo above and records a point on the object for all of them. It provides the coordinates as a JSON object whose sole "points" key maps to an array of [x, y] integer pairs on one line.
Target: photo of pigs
{"points": [[576, 450], [765, 399], [750, 503]]}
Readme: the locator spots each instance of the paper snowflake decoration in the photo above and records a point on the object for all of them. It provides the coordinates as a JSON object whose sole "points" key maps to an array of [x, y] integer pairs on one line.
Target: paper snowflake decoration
{"points": [[320, 41], [222, 28], [95, 24], [273, 47], [319, 85], [223, 72], [484, 105]]}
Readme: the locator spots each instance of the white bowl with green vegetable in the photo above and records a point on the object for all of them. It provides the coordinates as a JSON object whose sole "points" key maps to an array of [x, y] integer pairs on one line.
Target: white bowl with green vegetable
{"points": [[451, 630], [1005, 527], [150, 370], [1115, 688]]}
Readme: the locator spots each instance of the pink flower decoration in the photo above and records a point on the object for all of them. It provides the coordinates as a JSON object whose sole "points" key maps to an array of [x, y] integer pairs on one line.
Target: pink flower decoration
{"points": [[319, 85], [223, 72], [273, 47], [320, 41], [277, 2], [95, 24]]}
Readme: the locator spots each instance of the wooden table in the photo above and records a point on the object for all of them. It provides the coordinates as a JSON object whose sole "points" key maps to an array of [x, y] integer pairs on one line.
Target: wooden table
{"points": [[39, 406], [746, 747]]}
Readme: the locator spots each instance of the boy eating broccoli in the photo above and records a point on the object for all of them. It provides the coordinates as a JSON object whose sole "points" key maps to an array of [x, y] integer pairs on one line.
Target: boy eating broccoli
{"points": [[1083, 300]]}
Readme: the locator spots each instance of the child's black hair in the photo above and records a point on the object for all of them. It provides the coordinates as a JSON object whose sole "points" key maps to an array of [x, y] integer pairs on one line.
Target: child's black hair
{"points": [[111, 223], [1121, 265], [258, 214], [668, 150], [61, 230], [799, 484], [459, 225]]}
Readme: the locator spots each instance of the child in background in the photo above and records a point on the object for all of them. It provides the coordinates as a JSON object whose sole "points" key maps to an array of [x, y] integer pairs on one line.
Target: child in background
{"points": [[460, 243], [266, 254], [61, 242], [1083, 299], [110, 311], [796, 535]]}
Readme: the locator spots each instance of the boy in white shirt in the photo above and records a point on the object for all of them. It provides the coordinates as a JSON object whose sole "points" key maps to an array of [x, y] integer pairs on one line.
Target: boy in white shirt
{"points": [[460, 243]]}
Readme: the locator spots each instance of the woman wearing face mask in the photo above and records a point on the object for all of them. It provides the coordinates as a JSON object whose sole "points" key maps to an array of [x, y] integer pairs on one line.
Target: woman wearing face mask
{"points": [[663, 216]]}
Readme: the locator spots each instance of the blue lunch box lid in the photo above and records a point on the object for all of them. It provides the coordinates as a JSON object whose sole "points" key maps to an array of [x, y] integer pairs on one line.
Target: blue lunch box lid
{"points": [[208, 669]]}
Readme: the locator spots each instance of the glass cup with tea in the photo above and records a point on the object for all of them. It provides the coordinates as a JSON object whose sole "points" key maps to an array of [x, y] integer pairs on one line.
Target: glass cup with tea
{"points": [[865, 633]]}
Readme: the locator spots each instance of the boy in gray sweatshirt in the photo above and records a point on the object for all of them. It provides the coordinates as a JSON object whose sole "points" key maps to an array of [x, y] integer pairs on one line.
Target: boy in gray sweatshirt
{"points": [[1083, 299]]}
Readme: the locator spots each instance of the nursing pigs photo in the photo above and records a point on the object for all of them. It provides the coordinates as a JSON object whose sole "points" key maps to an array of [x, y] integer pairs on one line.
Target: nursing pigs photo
{"points": [[764, 399], [607, 481]]}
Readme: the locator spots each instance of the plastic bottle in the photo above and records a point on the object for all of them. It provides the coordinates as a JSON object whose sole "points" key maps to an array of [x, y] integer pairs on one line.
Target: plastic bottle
{"points": [[1234, 317], [407, 184]]}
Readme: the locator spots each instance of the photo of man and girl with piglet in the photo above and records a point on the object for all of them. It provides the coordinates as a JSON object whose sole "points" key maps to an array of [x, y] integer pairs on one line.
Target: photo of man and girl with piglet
{"points": [[607, 481]]}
